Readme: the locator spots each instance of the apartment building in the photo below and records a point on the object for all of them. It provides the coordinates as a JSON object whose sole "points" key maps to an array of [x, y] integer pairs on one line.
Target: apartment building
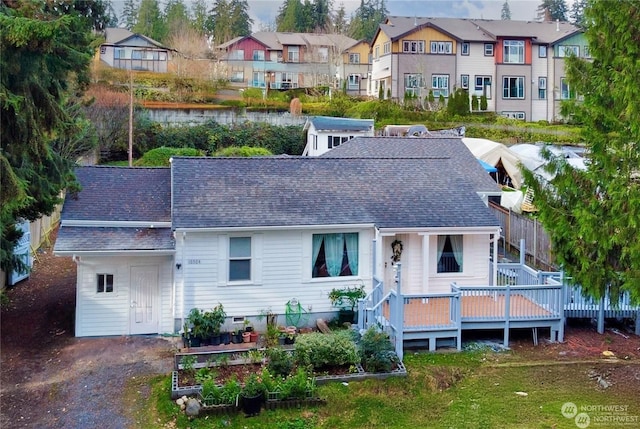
{"points": [[517, 65]]}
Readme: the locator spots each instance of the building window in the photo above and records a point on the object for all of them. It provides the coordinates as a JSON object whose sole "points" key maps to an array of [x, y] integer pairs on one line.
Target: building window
{"points": [[386, 48], [542, 88], [441, 47], [335, 141], [258, 55], [236, 54], [440, 85], [488, 49], [513, 87], [293, 54], [449, 253], [136, 55], [335, 255], [237, 76], [464, 81], [483, 86], [568, 50], [514, 51], [586, 51], [315, 142], [565, 90], [239, 259], [323, 54], [353, 82], [465, 48], [542, 51], [514, 115], [162, 56], [413, 46], [354, 58], [118, 54], [377, 54], [105, 283]]}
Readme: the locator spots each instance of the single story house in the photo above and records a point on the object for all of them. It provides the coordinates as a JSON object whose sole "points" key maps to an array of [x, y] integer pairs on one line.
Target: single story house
{"points": [[326, 132], [257, 233]]}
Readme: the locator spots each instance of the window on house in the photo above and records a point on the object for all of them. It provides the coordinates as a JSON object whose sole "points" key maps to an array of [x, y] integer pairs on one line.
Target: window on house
{"points": [[258, 55], [413, 80], [335, 255], [354, 58], [464, 81], [465, 48], [118, 54], [514, 51], [586, 51], [377, 51], [335, 141], [441, 47], [237, 76], [413, 46], [542, 51], [483, 86], [513, 115], [258, 79], [162, 56], [105, 283], [565, 90], [568, 50], [513, 87], [293, 54], [236, 54], [542, 88], [386, 48], [440, 85], [323, 54], [315, 142], [488, 49], [449, 253], [239, 259], [353, 82], [136, 55]]}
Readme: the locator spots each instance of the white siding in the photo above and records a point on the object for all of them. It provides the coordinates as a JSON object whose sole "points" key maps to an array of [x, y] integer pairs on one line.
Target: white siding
{"points": [[475, 264], [99, 314], [539, 68], [281, 271], [476, 64]]}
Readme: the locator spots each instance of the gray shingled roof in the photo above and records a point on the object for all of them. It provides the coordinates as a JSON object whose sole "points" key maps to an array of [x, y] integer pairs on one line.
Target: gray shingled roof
{"points": [[451, 151], [116, 36], [261, 192], [340, 124], [95, 239], [120, 194]]}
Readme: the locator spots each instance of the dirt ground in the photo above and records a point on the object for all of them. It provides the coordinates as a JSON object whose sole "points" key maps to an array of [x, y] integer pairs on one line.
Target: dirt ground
{"points": [[50, 379]]}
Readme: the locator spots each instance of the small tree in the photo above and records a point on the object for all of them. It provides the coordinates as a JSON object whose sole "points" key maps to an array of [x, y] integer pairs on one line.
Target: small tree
{"points": [[474, 103], [381, 92], [483, 103]]}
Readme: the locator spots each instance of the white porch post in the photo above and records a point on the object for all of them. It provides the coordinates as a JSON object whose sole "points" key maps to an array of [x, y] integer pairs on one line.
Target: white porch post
{"points": [[496, 238], [425, 263]]}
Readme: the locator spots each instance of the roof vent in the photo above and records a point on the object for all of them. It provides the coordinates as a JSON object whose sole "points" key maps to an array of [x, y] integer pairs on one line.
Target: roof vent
{"points": [[415, 21], [557, 25]]}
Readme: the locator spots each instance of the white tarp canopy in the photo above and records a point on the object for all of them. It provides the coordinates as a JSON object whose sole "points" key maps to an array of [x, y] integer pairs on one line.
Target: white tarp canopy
{"points": [[530, 157], [494, 153]]}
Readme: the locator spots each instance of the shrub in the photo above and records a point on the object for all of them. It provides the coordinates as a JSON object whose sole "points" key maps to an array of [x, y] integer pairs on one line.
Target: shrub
{"points": [[244, 151], [279, 361], [484, 104], [320, 350], [298, 385], [376, 351], [211, 394], [159, 157]]}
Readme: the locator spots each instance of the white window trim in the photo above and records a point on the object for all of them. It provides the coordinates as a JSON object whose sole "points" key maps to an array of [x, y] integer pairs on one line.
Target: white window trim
{"points": [[540, 49], [463, 78], [519, 47], [104, 292], [489, 50], [464, 258], [465, 49], [308, 258], [524, 91], [256, 260]]}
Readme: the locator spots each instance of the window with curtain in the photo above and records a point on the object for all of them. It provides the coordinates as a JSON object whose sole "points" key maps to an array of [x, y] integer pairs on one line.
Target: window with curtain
{"points": [[335, 255], [449, 253], [239, 259]]}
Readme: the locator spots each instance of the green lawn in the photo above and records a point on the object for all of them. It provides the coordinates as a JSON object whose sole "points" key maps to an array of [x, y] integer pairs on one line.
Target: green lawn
{"points": [[442, 390]]}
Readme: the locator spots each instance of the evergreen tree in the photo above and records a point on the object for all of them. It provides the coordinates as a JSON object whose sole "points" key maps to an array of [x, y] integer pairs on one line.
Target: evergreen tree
{"points": [[290, 16], [129, 14], [340, 24], [199, 16], [553, 10], [44, 60], [506, 11], [240, 20], [577, 12], [593, 215], [367, 18], [176, 16], [321, 14], [219, 22], [150, 22]]}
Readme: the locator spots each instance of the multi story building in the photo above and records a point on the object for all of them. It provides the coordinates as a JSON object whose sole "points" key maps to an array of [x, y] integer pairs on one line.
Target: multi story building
{"points": [[518, 66], [296, 60], [123, 49]]}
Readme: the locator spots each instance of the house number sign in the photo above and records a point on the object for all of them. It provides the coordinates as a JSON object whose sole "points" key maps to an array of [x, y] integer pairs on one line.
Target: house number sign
{"points": [[193, 261]]}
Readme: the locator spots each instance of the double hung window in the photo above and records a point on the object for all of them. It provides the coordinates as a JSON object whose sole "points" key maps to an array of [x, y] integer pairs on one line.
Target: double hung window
{"points": [[335, 255]]}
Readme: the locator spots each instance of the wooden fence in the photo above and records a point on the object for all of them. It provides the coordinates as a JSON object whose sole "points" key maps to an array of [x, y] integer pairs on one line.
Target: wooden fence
{"points": [[516, 227]]}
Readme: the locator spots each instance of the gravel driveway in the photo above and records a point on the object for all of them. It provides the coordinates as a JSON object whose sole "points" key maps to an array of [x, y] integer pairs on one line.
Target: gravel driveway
{"points": [[49, 378]]}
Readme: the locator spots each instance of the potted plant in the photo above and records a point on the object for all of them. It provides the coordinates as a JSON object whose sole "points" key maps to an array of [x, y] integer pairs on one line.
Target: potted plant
{"points": [[195, 326], [346, 299], [213, 321], [252, 395]]}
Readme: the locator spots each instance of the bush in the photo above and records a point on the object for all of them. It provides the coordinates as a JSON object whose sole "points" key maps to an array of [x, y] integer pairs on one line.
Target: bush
{"points": [[376, 351], [244, 151], [279, 361], [323, 350], [159, 157]]}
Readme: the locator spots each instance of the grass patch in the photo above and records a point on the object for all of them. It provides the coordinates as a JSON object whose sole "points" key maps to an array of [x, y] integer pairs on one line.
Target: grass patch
{"points": [[472, 389]]}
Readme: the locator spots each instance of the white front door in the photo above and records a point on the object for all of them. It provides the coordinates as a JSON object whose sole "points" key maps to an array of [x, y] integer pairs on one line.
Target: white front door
{"points": [[143, 318]]}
